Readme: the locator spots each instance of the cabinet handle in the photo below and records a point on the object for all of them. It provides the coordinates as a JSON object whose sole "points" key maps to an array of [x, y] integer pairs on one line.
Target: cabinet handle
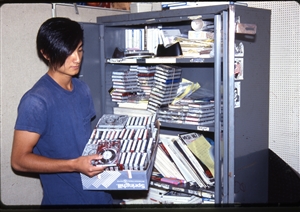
{"points": [[246, 28]]}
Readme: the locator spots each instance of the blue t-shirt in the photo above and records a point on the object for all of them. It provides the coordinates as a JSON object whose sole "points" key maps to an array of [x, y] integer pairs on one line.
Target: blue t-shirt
{"points": [[63, 120]]}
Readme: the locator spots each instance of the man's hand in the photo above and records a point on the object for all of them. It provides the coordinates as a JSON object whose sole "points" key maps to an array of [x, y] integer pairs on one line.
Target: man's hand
{"points": [[84, 165]]}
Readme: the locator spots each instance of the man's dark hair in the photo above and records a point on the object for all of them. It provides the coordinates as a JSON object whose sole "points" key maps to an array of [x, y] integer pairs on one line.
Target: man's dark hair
{"points": [[58, 38]]}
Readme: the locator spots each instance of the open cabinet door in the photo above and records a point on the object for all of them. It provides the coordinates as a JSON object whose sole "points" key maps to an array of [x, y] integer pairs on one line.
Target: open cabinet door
{"points": [[90, 69]]}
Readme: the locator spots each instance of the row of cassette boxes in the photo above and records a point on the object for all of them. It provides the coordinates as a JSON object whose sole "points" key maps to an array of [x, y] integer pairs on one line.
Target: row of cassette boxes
{"points": [[128, 151]]}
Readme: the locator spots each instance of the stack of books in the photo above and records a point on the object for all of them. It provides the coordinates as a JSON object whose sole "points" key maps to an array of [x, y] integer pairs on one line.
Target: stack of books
{"points": [[134, 39], [194, 47], [190, 161], [187, 160], [183, 171]]}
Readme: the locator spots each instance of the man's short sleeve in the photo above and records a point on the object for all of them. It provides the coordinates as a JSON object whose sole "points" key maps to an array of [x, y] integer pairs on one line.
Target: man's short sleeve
{"points": [[32, 116]]}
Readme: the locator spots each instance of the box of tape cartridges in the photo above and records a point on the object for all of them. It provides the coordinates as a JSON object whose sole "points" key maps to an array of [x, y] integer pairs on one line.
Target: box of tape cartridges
{"points": [[128, 146]]}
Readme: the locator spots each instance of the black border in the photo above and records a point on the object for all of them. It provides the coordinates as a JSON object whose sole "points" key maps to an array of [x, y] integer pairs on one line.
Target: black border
{"points": [[173, 208]]}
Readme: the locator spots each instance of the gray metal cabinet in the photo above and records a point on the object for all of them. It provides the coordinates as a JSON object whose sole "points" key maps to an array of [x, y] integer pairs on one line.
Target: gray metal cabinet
{"points": [[241, 167]]}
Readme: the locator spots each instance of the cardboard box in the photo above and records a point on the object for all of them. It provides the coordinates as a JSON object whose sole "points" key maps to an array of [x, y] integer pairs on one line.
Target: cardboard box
{"points": [[140, 7], [145, 7], [122, 179], [121, 5]]}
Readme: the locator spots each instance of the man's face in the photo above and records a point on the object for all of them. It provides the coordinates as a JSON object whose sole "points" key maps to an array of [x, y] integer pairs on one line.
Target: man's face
{"points": [[72, 64]]}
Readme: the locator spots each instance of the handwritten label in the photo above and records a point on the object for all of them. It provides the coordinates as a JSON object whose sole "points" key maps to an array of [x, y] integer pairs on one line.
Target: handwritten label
{"points": [[202, 128]]}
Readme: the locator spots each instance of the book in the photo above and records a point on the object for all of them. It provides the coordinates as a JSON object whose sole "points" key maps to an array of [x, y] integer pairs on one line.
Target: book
{"points": [[165, 165], [183, 165], [187, 138], [193, 161], [199, 173], [134, 39], [182, 187], [202, 149]]}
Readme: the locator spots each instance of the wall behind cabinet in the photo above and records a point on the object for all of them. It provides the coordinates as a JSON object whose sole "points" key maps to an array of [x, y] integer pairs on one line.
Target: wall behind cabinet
{"points": [[284, 121], [20, 69]]}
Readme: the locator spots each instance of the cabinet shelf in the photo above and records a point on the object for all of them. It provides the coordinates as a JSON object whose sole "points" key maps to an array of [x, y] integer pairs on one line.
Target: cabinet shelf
{"points": [[160, 60], [209, 128]]}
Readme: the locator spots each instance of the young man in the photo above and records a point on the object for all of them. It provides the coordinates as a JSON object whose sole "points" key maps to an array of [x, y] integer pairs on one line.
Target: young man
{"points": [[54, 120]]}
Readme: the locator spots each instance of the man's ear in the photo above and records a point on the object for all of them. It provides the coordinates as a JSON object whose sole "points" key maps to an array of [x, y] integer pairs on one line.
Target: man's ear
{"points": [[44, 55]]}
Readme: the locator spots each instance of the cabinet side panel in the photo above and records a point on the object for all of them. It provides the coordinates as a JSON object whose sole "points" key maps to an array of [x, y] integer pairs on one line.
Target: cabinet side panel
{"points": [[252, 117]]}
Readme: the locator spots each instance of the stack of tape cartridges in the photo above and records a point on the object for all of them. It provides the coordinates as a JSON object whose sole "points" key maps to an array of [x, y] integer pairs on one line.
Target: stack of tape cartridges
{"points": [[124, 142], [166, 82]]}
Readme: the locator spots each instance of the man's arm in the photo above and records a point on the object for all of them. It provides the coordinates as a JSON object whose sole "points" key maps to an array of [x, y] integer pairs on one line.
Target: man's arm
{"points": [[23, 159]]}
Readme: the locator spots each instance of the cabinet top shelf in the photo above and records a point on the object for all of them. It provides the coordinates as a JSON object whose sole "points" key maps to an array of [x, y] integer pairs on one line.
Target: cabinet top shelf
{"points": [[154, 17]]}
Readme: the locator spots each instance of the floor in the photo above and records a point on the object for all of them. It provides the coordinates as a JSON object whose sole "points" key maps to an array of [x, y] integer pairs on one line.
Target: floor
{"points": [[284, 182]]}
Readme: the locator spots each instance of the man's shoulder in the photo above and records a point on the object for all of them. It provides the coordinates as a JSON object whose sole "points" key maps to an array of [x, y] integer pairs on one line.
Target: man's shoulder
{"points": [[79, 81], [81, 84], [41, 90], [42, 86]]}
